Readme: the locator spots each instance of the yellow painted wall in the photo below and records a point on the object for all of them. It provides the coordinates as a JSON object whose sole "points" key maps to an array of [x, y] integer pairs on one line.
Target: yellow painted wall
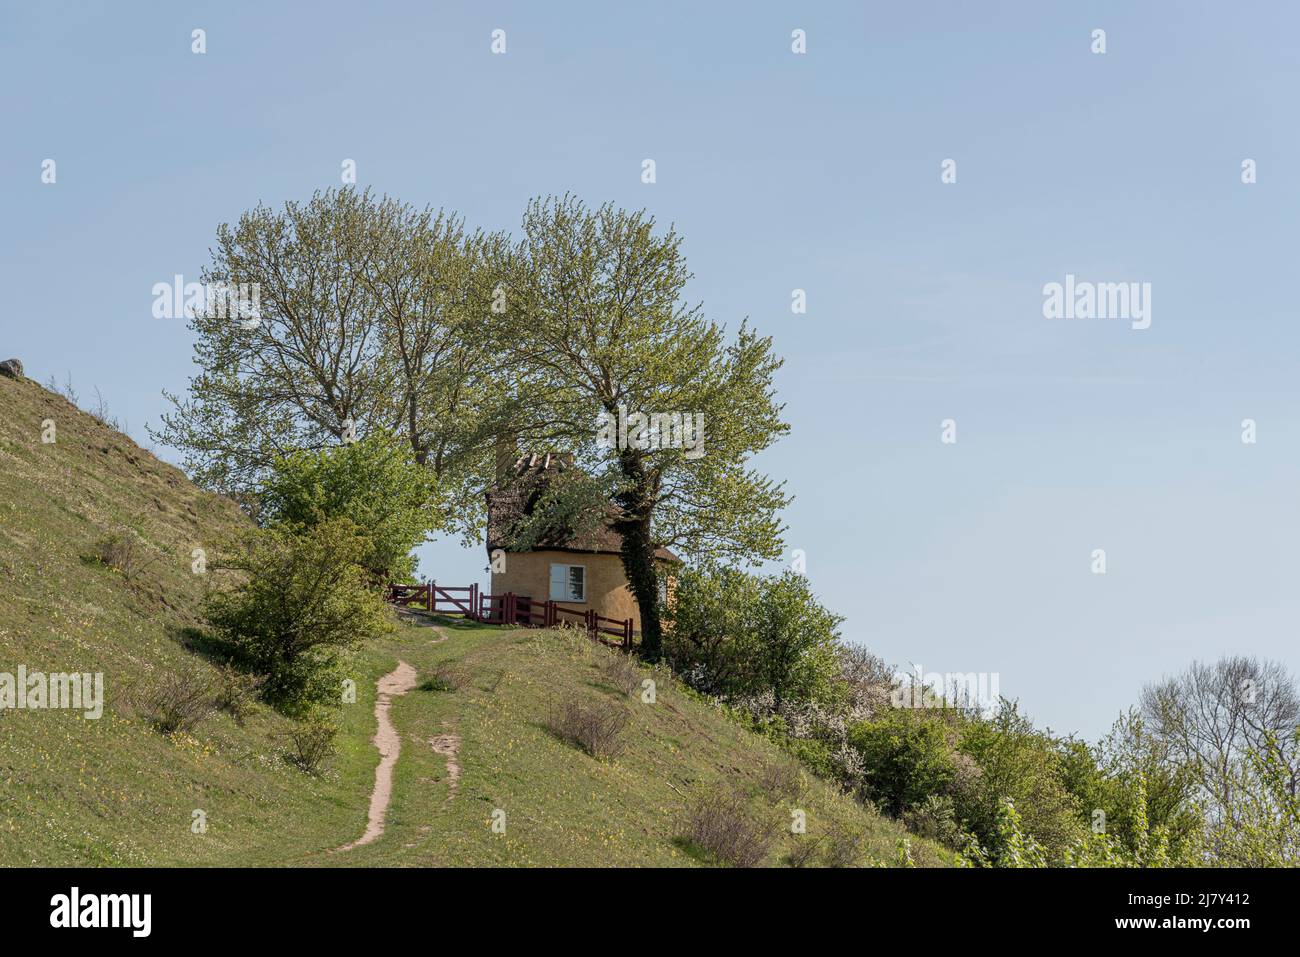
{"points": [[529, 573]]}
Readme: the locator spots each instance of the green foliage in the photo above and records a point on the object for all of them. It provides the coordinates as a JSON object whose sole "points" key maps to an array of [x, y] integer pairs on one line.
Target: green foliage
{"points": [[596, 316], [311, 742], [1266, 832], [737, 634], [235, 691], [374, 483], [369, 318], [1130, 783], [907, 756], [816, 754], [176, 702], [936, 819], [1020, 764], [707, 622], [1014, 847], [302, 602]]}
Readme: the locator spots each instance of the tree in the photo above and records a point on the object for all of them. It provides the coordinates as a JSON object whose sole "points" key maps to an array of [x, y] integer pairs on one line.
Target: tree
{"points": [[737, 634], [369, 315], [1208, 719], [790, 643], [1022, 764], [301, 602], [1266, 829], [375, 483], [602, 341], [1130, 756]]}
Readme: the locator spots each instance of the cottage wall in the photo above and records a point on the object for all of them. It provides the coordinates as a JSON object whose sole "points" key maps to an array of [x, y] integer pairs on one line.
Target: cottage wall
{"points": [[529, 573]]}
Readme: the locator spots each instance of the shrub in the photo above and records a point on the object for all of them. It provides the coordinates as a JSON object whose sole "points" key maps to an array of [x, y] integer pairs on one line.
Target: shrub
{"points": [[235, 691], [177, 702], [844, 845], [804, 853], [867, 681], [907, 758], [734, 634], [704, 624], [122, 551], [936, 818], [596, 728], [620, 672], [720, 822], [303, 602], [311, 743], [446, 678], [781, 781], [1023, 766], [374, 483]]}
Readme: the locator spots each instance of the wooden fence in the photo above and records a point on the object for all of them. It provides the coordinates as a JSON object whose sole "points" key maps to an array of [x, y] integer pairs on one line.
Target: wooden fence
{"points": [[509, 609], [442, 600]]}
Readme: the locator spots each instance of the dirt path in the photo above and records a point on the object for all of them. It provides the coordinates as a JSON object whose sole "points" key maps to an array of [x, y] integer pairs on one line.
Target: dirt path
{"points": [[448, 745], [397, 682]]}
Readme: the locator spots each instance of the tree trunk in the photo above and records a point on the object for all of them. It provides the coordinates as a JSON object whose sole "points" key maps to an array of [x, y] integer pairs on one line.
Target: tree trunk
{"points": [[638, 552]]}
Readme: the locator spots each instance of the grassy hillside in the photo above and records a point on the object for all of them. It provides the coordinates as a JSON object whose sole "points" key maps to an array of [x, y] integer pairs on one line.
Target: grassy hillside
{"points": [[116, 792], [113, 791], [562, 806]]}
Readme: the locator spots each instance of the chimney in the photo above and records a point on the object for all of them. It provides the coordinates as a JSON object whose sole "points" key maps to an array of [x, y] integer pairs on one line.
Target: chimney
{"points": [[507, 453]]}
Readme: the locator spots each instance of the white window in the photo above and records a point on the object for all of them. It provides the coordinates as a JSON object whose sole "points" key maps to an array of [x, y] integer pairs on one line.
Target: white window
{"points": [[568, 583]]}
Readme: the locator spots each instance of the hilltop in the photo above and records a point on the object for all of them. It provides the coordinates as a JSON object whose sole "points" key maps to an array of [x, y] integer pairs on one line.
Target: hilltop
{"points": [[98, 573]]}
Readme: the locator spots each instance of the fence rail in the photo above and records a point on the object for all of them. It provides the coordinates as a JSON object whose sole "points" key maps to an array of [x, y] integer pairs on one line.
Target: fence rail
{"points": [[509, 609], [441, 599]]}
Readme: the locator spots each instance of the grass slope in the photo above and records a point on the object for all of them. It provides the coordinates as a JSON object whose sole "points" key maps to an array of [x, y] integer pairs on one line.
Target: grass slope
{"points": [[561, 806], [116, 792]]}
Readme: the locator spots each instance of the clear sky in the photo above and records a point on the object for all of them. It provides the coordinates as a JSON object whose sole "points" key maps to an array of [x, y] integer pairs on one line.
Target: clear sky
{"points": [[819, 172]]}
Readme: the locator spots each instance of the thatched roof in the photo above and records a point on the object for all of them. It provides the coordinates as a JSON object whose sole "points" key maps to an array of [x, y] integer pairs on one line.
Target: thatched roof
{"points": [[514, 495]]}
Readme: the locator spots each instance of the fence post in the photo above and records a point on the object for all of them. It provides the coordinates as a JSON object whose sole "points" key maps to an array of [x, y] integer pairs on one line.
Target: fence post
{"points": [[591, 623], [429, 595], [627, 634], [508, 609], [473, 601]]}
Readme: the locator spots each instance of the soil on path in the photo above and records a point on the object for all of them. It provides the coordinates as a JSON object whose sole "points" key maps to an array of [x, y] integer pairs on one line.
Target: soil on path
{"points": [[397, 682]]}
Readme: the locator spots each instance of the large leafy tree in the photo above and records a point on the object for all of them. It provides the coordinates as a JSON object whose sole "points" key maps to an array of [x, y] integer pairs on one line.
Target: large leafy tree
{"points": [[597, 332], [374, 483], [370, 315]]}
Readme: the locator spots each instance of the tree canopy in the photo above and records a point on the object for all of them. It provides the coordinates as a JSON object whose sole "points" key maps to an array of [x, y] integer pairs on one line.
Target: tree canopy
{"points": [[661, 407], [369, 318]]}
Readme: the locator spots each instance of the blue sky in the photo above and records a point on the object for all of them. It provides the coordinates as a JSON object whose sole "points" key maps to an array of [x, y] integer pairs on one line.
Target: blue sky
{"points": [[819, 172]]}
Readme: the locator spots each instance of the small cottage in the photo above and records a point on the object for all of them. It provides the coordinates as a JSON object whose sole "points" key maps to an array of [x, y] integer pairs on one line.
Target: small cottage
{"points": [[578, 573]]}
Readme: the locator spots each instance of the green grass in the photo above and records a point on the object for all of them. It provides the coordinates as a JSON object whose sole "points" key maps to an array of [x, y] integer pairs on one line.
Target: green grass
{"points": [[116, 792], [562, 806]]}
